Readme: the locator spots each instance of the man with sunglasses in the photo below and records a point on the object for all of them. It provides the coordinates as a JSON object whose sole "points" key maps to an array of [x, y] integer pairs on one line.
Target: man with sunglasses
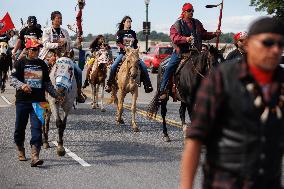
{"points": [[31, 79], [239, 41], [239, 117], [186, 33]]}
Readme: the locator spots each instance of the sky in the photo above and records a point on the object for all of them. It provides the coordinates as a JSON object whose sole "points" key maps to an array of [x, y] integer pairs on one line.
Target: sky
{"points": [[102, 16]]}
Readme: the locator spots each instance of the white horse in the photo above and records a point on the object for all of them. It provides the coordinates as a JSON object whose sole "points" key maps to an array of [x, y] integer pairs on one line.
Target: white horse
{"points": [[62, 76]]}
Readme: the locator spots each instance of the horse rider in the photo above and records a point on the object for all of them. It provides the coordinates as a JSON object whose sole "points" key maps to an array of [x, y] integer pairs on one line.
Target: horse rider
{"points": [[30, 31], [97, 44], [239, 41], [126, 37], [56, 40], [187, 32], [239, 117], [31, 79]]}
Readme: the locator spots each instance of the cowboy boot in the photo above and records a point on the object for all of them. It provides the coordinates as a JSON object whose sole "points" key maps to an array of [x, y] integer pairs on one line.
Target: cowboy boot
{"points": [[21, 153], [80, 97], [35, 157]]}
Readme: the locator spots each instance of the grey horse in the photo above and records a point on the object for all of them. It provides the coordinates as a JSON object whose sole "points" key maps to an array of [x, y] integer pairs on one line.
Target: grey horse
{"points": [[62, 77]]}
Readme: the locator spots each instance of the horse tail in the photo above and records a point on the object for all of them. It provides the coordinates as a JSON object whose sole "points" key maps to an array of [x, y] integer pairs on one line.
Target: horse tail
{"points": [[154, 106]]}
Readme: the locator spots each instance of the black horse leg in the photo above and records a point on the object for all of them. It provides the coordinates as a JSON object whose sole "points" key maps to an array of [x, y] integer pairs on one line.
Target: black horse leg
{"points": [[164, 113], [182, 110], [61, 128]]}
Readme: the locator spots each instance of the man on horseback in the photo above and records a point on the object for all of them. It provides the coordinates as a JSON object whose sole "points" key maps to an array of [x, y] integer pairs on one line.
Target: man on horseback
{"points": [[186, 33], [31, 31], [127, 38], [56, 43], [31, 79], [239, 41]]}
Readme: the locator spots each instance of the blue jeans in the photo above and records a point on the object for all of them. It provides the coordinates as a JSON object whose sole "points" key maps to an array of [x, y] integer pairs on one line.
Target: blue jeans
{"points": [[23, 112], [119, 59], [172, 65], [78, 74]]}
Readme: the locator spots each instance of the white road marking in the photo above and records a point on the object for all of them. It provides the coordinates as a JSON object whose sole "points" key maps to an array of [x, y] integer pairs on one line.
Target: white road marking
{"points": [[5, 106], [74, 156], [6, 100]]}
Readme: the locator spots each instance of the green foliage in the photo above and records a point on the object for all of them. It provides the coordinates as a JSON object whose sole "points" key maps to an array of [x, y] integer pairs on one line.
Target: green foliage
{"points": [[272, 7], [154, 36]]}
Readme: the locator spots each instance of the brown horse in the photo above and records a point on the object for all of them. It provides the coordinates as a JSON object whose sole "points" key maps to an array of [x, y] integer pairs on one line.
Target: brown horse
{"points": [[5, 63], [126, 83], [98, 76]]}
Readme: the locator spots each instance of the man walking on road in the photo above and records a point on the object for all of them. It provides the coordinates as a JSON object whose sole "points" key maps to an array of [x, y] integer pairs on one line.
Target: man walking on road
{"points": [[31, 79], [239, 117]]}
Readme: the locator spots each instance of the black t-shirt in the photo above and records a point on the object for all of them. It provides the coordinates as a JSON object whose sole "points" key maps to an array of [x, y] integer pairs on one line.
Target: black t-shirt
{"points": [[126, 38], [32, 32], [35, 73]]}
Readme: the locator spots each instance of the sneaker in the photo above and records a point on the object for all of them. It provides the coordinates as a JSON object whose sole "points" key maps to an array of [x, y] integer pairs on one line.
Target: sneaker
{"points": [[108, 89], [81, 99], [148, 88]]}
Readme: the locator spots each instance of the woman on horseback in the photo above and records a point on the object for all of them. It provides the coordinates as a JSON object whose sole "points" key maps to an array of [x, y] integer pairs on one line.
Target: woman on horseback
{"points": [[127, 38], [98, 44]]}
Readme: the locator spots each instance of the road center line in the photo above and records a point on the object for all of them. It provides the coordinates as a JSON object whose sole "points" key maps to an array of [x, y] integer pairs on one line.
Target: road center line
{"points": [[144, 113], [6, 100], [74, 156]]}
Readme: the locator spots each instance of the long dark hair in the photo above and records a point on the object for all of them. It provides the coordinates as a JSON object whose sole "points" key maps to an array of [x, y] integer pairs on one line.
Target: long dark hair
{"points": [[95, 44], [120, 25]]}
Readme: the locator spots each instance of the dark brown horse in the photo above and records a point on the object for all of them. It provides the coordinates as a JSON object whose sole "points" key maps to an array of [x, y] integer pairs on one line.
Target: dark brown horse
{"points": [[5, 63], [186, 81]]}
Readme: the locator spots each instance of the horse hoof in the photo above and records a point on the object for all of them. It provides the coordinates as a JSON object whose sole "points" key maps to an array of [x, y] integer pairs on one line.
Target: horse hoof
{"points": [[136, 129], [61, 151], [167, 139], [120, 122], [103, 110], [46, 145]]}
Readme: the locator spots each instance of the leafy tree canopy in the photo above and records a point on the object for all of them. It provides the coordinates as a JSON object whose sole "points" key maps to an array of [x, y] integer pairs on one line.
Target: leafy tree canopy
{"points": [[272, 7]]}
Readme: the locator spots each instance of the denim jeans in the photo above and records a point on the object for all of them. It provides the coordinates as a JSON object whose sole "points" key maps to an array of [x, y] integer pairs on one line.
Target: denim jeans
{"points": [[172, 65], [23, 112], [78, 74], [119, 59]]}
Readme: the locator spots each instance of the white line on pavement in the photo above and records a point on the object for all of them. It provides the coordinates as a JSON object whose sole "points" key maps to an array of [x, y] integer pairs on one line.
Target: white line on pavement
{"points": [[6, 100], [74, 156]]}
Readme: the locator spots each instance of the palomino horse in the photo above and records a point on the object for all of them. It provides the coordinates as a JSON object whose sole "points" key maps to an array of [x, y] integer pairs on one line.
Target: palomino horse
{"points": [[98, 76], [187, 80], [62, 77], [5, 63], [126, 83]]}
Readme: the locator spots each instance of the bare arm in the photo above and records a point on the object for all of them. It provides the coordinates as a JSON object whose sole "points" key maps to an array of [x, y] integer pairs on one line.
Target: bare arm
{"points": [[189, 163]]}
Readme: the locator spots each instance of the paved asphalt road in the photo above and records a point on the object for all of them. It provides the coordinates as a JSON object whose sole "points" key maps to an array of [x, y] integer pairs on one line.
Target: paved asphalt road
{"points": [[116, 157]]}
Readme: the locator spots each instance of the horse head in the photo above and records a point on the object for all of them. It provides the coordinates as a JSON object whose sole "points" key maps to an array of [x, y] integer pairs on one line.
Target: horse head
{"points": [[3, 49], [63, 74], [132, 59], [215, 55]]}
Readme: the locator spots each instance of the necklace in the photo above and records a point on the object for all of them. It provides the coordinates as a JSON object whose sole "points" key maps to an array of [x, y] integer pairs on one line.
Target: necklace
{"points": [[261, 104]]}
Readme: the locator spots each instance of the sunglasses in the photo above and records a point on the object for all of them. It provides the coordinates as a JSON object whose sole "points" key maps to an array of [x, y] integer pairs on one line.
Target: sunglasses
{"points": [[190, 10], [270, 42], [34, 49]]}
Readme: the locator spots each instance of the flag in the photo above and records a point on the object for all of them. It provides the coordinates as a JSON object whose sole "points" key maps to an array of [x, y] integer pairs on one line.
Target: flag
{"points": [[6, 24]]}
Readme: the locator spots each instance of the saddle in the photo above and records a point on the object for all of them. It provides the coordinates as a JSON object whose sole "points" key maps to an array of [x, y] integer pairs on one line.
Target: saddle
{"points": [[173, 83]]}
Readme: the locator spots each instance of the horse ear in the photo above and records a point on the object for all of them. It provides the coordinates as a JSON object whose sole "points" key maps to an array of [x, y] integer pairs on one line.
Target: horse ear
{"points": [[223, 49]]}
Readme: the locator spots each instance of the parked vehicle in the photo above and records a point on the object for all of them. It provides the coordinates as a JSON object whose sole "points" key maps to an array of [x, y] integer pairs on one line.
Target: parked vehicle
{"points": [[155, 55], [114, 51]]}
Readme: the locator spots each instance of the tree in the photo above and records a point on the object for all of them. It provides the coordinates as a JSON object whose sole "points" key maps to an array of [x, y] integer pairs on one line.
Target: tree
{"points": [[272, 7]]}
